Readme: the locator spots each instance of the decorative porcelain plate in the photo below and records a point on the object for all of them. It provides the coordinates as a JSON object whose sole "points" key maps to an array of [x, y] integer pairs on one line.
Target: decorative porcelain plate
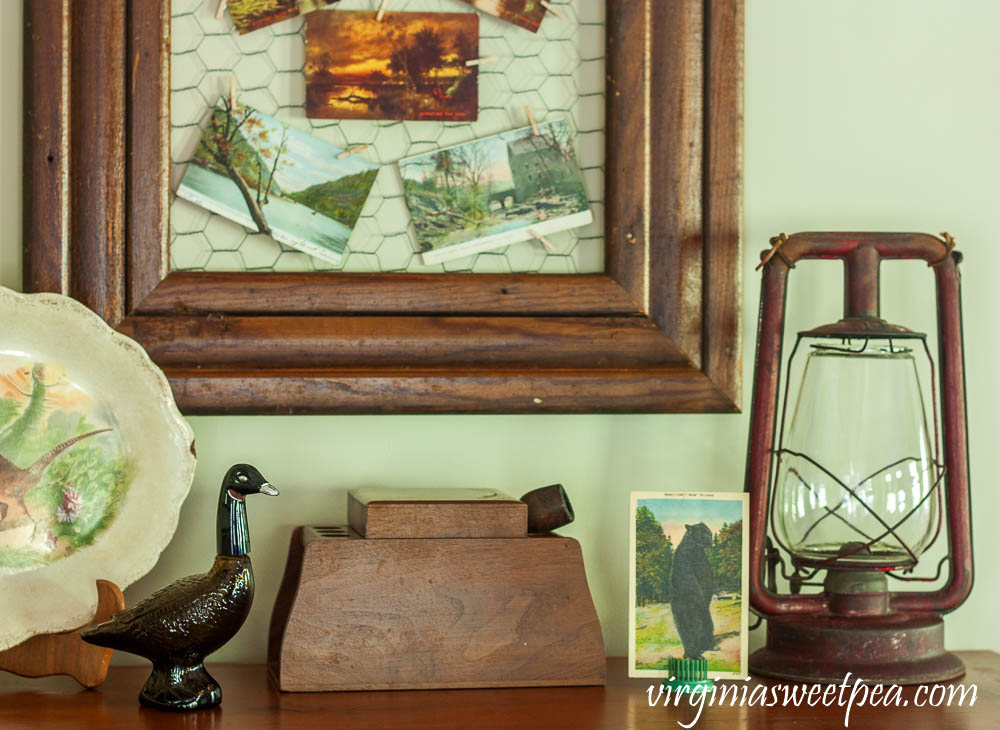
{"points": [[95, 461]]}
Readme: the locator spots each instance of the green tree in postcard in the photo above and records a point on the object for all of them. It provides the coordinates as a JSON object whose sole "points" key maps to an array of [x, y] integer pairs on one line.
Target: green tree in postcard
{"points": [[340, 199], [654, 556], [726, 555]]}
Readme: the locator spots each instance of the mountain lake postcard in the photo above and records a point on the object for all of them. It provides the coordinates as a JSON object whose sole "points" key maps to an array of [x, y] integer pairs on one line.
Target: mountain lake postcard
{"points": [[275, 179]]}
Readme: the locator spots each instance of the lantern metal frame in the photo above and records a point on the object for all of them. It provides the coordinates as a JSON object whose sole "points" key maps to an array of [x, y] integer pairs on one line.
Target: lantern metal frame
{"points": [[856, 624]]}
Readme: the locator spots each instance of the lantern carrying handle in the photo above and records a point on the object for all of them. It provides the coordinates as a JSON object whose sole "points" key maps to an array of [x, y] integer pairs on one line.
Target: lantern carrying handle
{"points": [[861, 253]]}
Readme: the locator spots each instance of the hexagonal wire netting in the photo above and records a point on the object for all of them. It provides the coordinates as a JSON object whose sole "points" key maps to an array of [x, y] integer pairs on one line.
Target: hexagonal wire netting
{"points": [[559, 72]]}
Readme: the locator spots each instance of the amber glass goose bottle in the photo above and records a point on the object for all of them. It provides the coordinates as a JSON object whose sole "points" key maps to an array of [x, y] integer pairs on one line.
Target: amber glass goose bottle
{"points": [[178, 626]]}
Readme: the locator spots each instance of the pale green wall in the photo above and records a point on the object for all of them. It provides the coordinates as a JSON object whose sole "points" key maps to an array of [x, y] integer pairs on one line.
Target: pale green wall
{"points": [[859, 114]]}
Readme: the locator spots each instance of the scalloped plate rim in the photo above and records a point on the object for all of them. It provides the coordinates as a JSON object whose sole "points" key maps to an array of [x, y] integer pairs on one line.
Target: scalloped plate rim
{"points": [[77, 608]]}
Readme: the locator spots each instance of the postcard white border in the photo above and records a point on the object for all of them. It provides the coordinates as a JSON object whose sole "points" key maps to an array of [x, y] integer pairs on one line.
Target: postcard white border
{"points": [[244, 219], [743, 497], [498, 240]]}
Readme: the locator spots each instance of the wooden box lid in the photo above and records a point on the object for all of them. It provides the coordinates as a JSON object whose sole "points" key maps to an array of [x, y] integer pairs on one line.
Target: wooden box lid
{"points": [[375, 512]]}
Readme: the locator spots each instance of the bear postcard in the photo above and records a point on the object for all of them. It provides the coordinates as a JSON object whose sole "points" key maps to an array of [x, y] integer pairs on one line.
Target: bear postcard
{"points": [[688, 568]]}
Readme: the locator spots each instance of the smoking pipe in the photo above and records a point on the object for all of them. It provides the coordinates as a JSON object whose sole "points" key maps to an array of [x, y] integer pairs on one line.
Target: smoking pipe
{"points": [[548, 508]]}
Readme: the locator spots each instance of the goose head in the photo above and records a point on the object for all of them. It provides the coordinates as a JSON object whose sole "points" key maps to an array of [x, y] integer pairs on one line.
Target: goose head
{"points": [[243, 479]]}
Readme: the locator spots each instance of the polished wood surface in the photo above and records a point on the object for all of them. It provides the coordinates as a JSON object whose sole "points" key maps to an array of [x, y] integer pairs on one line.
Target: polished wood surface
{"points": [[65, 652], [249, 703], [359, 614], [658, 331]]}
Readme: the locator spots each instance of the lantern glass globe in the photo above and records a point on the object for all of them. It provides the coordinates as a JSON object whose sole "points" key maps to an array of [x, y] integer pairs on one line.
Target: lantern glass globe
{"points": [[857, 481]]}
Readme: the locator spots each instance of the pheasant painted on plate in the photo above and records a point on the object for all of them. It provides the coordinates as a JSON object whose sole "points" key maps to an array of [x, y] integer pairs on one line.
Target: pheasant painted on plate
{"points": [[63, 467]]}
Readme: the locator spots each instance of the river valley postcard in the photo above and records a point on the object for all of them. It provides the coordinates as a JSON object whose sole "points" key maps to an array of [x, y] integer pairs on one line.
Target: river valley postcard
{"points": [[495, 191]]}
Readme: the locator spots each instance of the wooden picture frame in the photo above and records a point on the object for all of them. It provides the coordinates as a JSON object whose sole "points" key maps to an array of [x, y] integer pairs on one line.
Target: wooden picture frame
{"points": [[659, 331]]}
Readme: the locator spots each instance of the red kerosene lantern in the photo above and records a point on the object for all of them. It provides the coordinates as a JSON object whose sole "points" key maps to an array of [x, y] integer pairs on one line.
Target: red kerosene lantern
{"points": [[847, 474]]}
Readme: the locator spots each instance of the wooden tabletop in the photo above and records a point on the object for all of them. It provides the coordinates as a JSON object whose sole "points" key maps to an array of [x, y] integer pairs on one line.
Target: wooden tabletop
{"points": [[249, 702]]}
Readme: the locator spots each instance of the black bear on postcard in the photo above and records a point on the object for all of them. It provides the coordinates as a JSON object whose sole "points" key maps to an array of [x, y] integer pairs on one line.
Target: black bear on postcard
{"points": [[691, 588]]}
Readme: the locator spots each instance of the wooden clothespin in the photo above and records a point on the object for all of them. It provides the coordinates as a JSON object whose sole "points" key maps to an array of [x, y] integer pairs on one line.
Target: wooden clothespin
{"points": [[949, 246], [221, 9], [352, 151], [776, 243], [531, 120], [233, 105], [481, 61], [543, 240], [553, 9], [381, 10]]}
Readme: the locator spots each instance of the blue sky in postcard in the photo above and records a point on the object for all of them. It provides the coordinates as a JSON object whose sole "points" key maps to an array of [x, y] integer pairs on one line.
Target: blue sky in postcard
{"points": [[314, 161], [673, 513]]}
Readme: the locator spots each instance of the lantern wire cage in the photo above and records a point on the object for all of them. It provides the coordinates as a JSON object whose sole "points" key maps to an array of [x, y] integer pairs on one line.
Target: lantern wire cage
{"points": [[805, 570]]}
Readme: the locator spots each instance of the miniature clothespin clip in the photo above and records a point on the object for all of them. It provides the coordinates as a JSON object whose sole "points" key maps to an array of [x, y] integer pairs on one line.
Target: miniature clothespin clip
{"points": [[776, 243], [352, 151], [381, 10], [481, 61], [949, 246], [553, 9], [233, 105], [531, 120], [543, 240], [221, 9]]}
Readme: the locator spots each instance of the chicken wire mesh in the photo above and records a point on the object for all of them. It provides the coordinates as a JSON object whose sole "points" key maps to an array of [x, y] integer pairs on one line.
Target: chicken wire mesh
{"points": [[558, 72]]}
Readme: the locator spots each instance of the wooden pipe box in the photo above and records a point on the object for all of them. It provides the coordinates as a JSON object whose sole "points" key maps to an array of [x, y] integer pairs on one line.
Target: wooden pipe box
{"points": [[374, 613]]}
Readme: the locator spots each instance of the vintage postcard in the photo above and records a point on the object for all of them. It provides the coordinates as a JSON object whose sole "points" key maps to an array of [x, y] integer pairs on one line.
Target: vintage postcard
{"points": [[525, 13], [495, 191], [688, 582], [409, 66], [274, 179], [250, 15]]}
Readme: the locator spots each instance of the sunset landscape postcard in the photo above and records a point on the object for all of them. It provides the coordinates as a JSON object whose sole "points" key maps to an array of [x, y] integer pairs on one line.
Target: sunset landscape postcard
{"points": [[249, 15], [525, 13], [688, 582], [409, 66], [495, 191], [275, 179]]}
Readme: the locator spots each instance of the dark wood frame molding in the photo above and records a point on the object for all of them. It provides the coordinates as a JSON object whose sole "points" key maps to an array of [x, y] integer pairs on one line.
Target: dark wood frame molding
{"points": [[660, 331]]}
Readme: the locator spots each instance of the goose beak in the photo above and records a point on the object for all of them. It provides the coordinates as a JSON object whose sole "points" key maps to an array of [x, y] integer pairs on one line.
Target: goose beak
{"points": [[267, 489]]}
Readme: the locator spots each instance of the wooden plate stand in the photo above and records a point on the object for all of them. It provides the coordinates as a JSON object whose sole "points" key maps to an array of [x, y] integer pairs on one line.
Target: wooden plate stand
{"points": [[66, 652]]}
